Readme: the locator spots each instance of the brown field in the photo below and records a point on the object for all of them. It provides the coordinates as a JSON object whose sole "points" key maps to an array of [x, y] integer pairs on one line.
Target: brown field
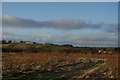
{"points": [[33, 66]]}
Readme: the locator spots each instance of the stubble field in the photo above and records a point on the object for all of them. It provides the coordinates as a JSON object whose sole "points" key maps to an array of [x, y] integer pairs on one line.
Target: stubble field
{"points": [[37, 66]]}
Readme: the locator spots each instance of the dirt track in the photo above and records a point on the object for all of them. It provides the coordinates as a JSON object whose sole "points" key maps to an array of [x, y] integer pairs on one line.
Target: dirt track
{"points": [[90, 71], [69, 71]]}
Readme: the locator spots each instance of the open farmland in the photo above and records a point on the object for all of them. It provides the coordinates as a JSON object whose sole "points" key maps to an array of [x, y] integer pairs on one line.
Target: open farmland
{"points": [[57, 40], [49, 61], [37, 66]]}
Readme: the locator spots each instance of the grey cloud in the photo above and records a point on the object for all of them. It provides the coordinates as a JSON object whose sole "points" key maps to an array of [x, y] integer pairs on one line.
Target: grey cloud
{"points": [[111, 28], [64, 24], [13, 21], [71, 24]]}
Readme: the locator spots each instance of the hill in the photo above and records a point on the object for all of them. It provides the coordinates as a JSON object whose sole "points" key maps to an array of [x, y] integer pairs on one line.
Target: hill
{"points": [[66, 48]]}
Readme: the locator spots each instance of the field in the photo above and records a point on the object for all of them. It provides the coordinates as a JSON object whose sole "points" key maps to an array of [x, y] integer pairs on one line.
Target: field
{"points": [[45, 65], [22, 61]]}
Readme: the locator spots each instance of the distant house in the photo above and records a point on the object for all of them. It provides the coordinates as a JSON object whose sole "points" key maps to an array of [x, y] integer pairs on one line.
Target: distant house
{"points": [[27, 42]]}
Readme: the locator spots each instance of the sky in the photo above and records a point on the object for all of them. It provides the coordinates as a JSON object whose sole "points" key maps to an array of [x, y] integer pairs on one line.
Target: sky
{"points": [[76, 23]]}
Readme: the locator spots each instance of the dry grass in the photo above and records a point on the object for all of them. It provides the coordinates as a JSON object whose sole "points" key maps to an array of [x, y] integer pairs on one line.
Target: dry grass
{"points": [[21, 62]]}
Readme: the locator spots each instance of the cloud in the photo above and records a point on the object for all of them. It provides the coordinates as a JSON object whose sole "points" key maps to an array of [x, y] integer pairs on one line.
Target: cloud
{"points": [[13, 21], [64, 24], [111, 28], [12, 36], [93, 39], [69, 24]]}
